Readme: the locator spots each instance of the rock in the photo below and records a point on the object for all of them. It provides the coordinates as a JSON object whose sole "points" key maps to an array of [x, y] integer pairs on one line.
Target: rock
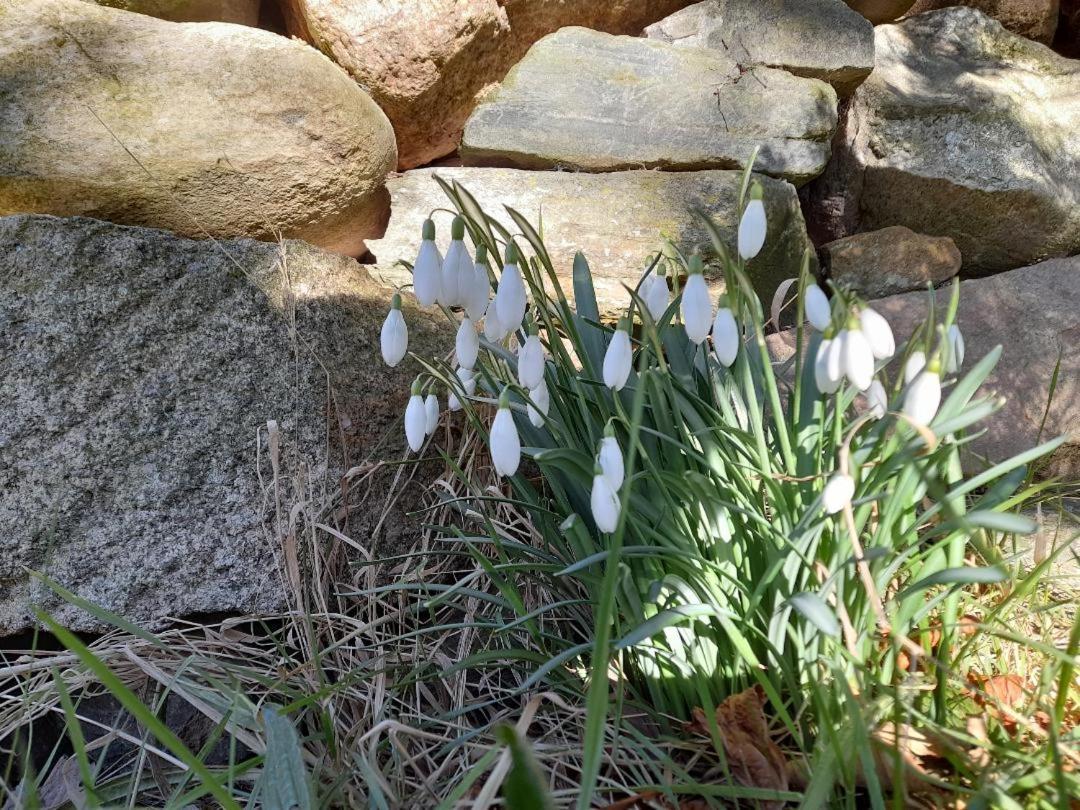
{"points": [[1067, 38], [617, 220], [140, 369], [187, 127], [892, 260], [425, 63], [819, 39], [1034, 19], [242, 12], [881, 11], [963, 130], [586, 100]]}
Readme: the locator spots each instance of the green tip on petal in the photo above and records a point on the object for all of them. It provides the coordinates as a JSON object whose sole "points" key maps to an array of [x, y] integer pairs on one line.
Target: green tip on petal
{"points": [[395, 302], [504, 398], [756, 192], [428, 231], [511, 253], [695, 266], [416, 387], [457, 228], [481, 254]]}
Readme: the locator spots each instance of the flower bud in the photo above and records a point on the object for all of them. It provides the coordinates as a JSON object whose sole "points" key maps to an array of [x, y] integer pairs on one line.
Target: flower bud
{"points": [[838, 493], [510, 299], [505, 444], [493, 330], [457, 259], [752, 226], [877, 400], [467, 377], [878, 333], [617, 360], [916, 362], [415, 420], [479, 286], [827, 373], [394, 338], [531, 362], [656, 295], [427, 269], [539, 404], [725, 336], [610, 459], [923, 397], [816, 304], [954, 350], [696, 305], [467, 343], [431, 413], [856, 358], [604, 502]]}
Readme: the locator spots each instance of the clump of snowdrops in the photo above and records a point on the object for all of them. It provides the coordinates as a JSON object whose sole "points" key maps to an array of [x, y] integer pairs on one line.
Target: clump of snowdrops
{"points": [[707, 519]]}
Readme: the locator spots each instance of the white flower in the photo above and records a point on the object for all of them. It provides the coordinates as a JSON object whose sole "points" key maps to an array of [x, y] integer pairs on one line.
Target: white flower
{"points": [[856, 358], [431, 413], [468, 381], [531, 362], [457, 269], [493, 330], [538, 407], [696, 306], [617, 360], [837, 493], [415, 420], [954, 345], [725, 336], [656, 296], [605, 503], [878, 332], [427, 270], [395, 334], [510, 297], [467, 343], [479, 287], [610, 459], [877, 399], [505, 444], [915, 363], [827, 372], [923, 396], [816, 304], [752, 227]]}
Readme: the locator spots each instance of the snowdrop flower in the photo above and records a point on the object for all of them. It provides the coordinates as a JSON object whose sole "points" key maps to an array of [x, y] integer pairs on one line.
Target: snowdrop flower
{"points": [[696, 306], [415, 419], [427, 270], [752, 226], [817, 308], [856, 357], [618, 358], [725, 334], [531, 361], [431, 413], [476, 303], [493, 329], [510, 298], [395, 334], [538, 407], [466, 343], [656, 294], [457, 268], [954, 353], [878, 333], [610, 459], [877, 399], [923, 396], [915, 363], [505, 444], [604, 501], [837, 493], [828, 371], [467, 377]]}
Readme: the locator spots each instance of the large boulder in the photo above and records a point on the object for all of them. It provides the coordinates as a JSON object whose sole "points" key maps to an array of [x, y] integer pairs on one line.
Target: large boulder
{"points": [[426, 62], [1034, 19], [581, 99], [963, 130], [618, 220], [206, 129], [242, 12], [819, 39], [881, 11], [893, 260], [139, 371]]}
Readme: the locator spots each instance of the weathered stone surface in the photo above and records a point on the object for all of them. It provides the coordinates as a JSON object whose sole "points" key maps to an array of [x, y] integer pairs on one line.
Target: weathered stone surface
{"points": [[188, 127], [1034, 19], [617, 220], [819, 39], [963, 130], [139, 372], [586, 100], [881, 11], [425, 61], [242, 12], [892, 260]]}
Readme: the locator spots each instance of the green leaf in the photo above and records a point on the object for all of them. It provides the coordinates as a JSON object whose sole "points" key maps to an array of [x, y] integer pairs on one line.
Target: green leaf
{"points": [[813, 608], [662, 620], [523, 789], [284, 782], [965, 575]]}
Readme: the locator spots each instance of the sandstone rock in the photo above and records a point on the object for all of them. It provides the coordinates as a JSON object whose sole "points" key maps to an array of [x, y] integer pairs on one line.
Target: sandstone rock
{"points": [[586, 100], [892, 260], [881, 11], [963, 130], [819, 39], [242, 12], [188, 127], [1034, 19], [140, 369], [426, 62], [617, 220]]}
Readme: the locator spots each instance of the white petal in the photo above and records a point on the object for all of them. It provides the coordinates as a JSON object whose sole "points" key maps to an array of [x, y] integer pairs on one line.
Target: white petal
{"points": [[696, 308], [467, 343], [493, 330], [431, 413], [510, 298], [955, 353], [538, 407], [878, 332], [752, 228], [415, 422], [468, 381], [817, 308], [531, 362], [505, 444], [725, 336], [857, 359], [394, 338], [617, 360], [837, 493], [877, 399], [610, 459], [605, 505], [826, 382], [427, 271], [923, 397], [479, 292], [915, 363], [656, 297], [451, 282]]}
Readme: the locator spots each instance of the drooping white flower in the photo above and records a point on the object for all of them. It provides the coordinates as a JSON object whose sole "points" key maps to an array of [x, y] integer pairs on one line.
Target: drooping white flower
{"points": [[479, 286], [827, 374], [656, 294], [816, 304], [531, 362], [752, 226], [725, 336], [837, 493], [696, 306], [467, 343], [493, 329], [457, 269], [505, 444], [610, 459], [618, 359], [510, 299], [394, 338], [604, 502], [954, 349], [856, 357], [427, 270], [878, 333], [415, 419], [916, 362], [540, 402], [431, 413], [467, 377], [923, 396], [877, 399]]}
